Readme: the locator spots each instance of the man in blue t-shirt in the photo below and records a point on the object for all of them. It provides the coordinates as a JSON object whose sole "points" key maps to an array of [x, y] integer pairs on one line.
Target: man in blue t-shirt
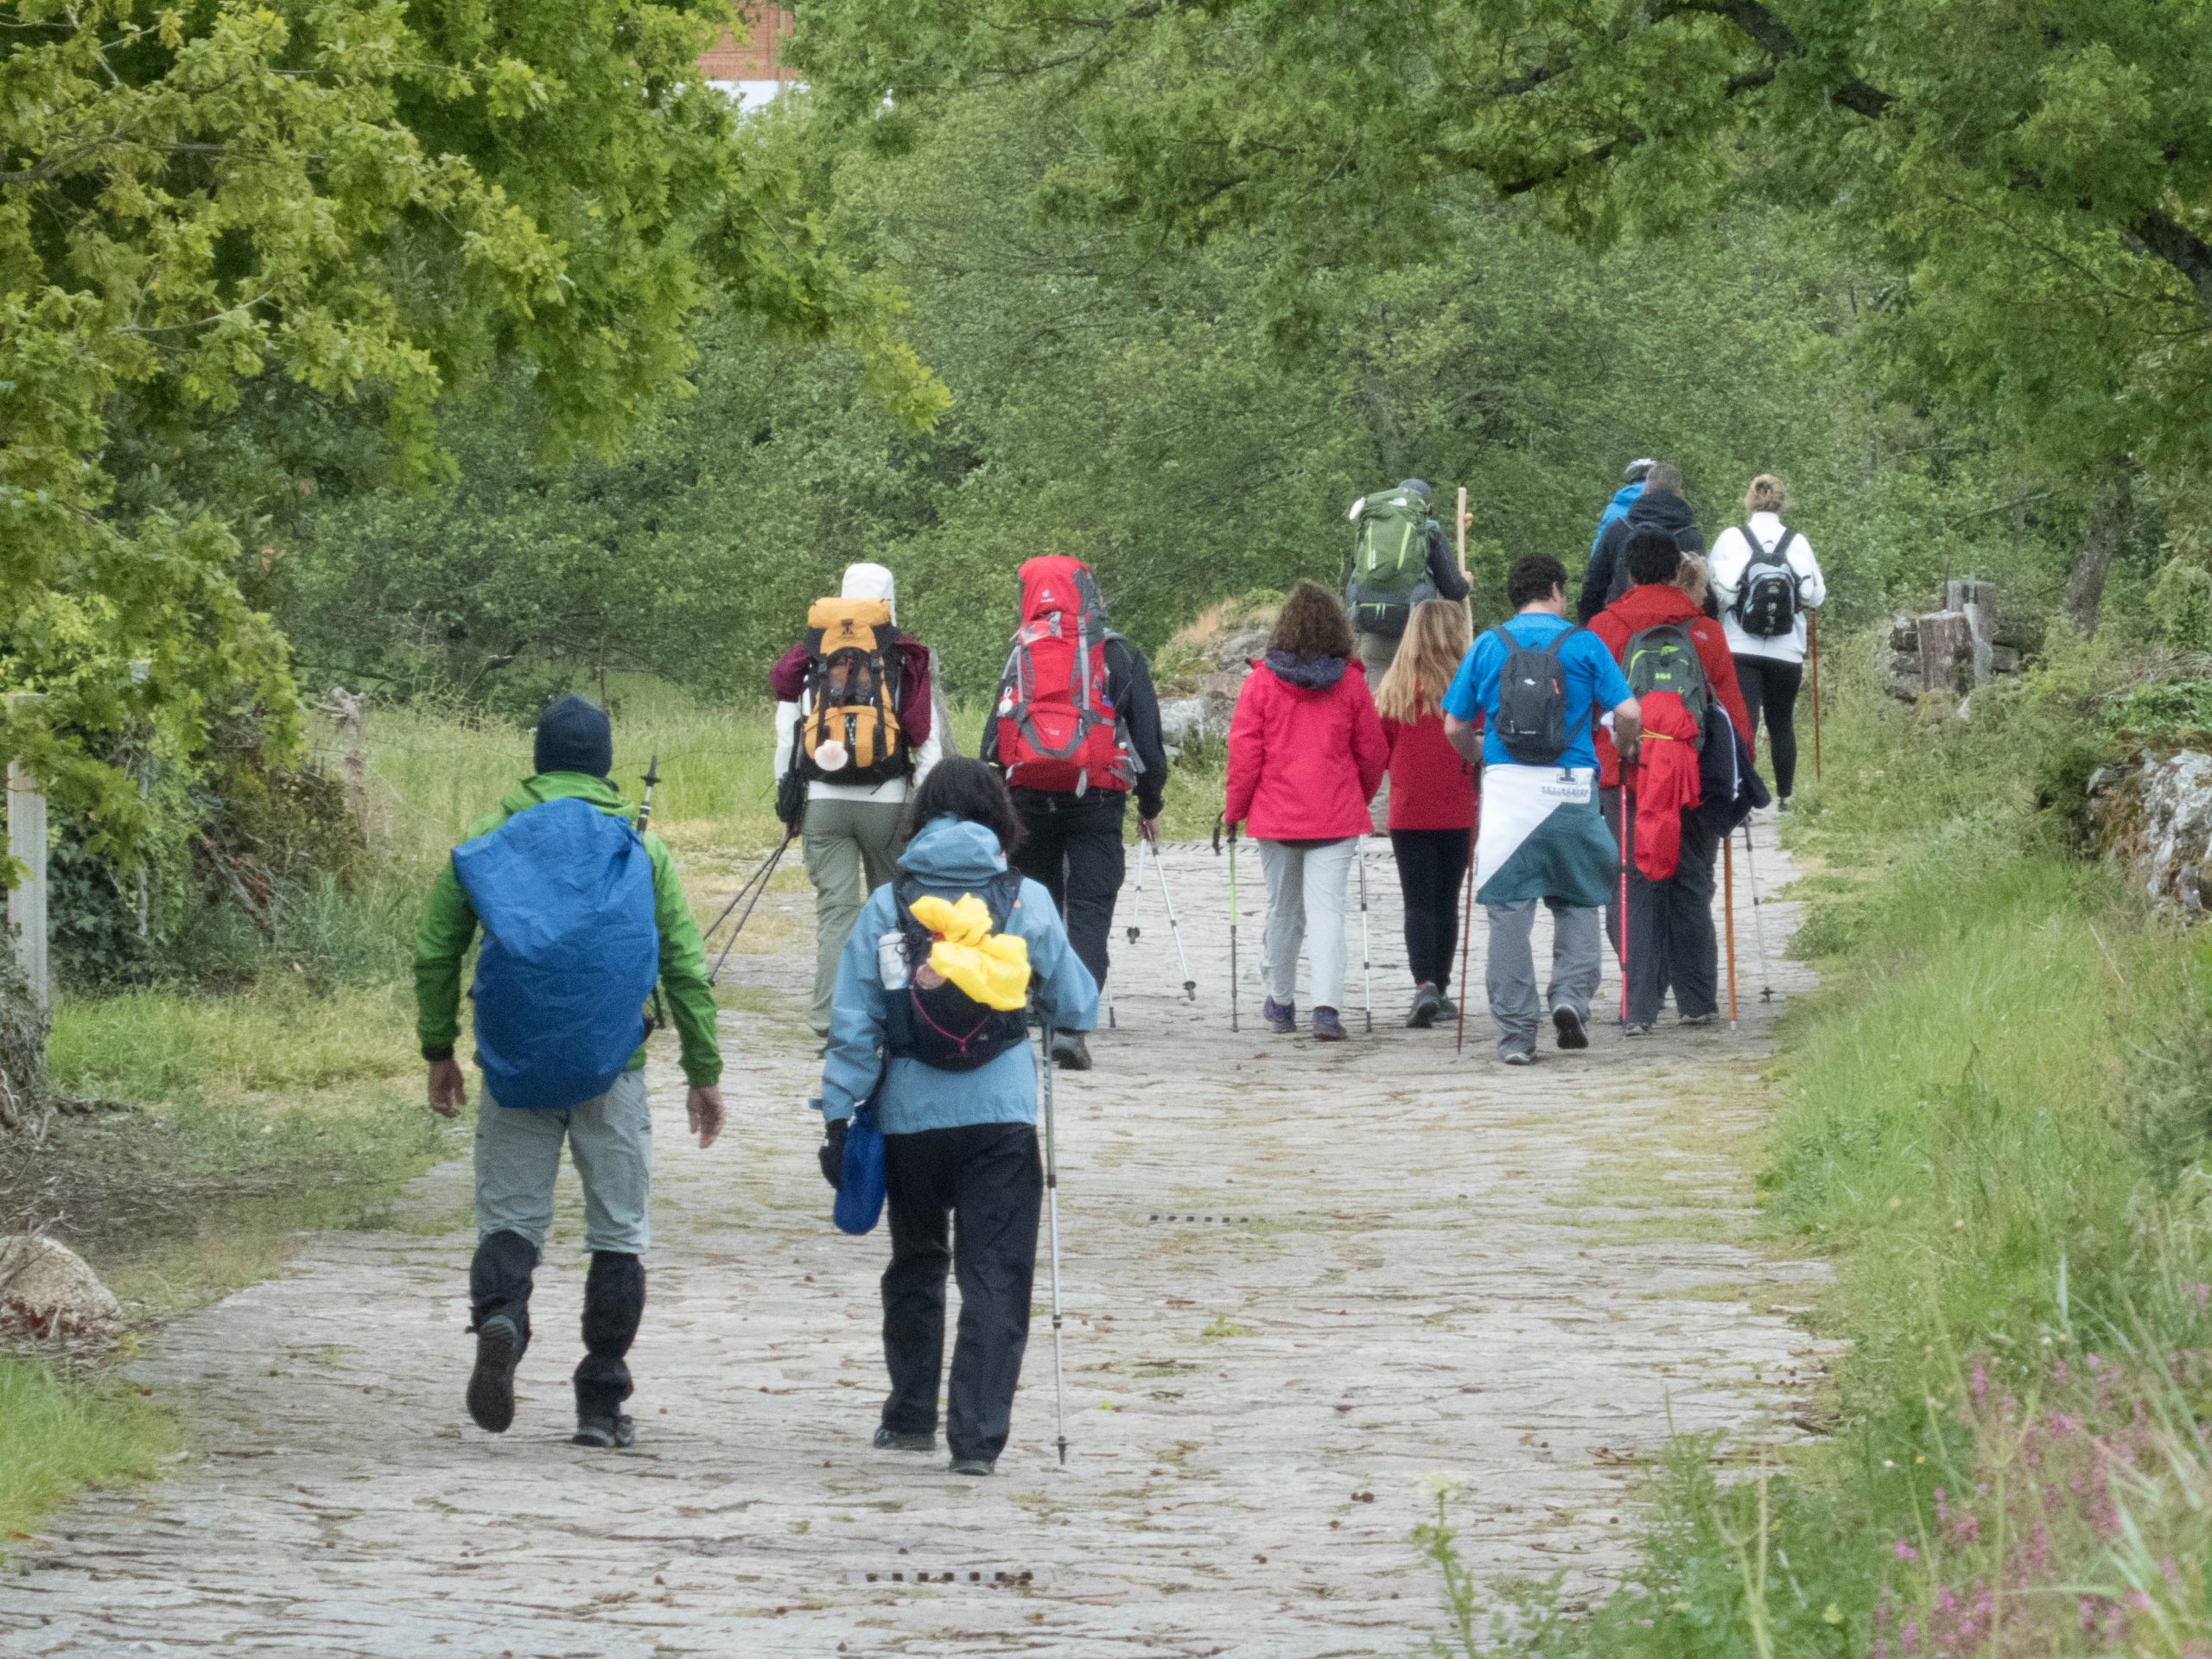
{"points": [[1541, 836]]}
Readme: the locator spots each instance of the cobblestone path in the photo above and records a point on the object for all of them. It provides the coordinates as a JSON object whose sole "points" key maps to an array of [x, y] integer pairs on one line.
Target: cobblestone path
{"points": [[1297, 1278]]}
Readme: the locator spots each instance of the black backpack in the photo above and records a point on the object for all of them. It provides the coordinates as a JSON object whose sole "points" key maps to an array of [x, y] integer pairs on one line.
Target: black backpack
{"points": [[1531, 719], [1766, 599], [941, 1026]]}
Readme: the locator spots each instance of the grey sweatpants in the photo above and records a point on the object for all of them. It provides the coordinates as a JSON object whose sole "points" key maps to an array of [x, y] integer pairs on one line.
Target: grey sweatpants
{"points": [[1576, 931], [1306, 906], [849, 846], [610, 1138], [1377, 652]]}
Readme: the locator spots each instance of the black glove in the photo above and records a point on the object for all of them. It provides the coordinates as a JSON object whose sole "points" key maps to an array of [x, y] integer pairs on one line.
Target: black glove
{"points": [[831, 1153]]}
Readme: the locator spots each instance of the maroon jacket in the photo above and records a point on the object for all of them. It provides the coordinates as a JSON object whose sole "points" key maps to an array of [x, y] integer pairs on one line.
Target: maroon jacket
{"points": [[1306, 751], [787, 680]]}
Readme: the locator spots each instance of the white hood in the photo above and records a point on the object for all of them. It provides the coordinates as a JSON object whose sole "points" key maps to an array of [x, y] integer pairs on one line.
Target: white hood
{"points": [[872, 582]]}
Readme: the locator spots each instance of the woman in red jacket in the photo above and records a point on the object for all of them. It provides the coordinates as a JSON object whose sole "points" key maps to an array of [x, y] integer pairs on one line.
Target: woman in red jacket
{"points": [[1432, 799], [1306, 756]]}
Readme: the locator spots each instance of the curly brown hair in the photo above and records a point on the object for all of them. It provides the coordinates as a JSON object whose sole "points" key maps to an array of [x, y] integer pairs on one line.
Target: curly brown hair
{"points": [[1312, 623]]}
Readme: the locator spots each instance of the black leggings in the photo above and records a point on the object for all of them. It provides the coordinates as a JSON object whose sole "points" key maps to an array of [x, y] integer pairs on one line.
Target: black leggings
{"points": [[1770, 689], [1431, 865]]}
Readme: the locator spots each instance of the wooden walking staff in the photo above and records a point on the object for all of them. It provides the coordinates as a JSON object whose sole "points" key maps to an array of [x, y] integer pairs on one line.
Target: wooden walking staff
{"points": [[1813, 654], [1459, 529], [1728, 909]]}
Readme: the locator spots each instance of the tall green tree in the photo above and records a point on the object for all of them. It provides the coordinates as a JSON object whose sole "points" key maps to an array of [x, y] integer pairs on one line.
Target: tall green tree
{"points": [[227, 229]]}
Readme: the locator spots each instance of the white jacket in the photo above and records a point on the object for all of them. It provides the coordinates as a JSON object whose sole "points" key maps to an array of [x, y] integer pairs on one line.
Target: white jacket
{"points": [[1732, 556]]}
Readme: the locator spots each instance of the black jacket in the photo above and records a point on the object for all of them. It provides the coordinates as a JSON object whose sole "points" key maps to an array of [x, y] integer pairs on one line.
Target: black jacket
{"points": [[1607, 578], [1136, 705]]}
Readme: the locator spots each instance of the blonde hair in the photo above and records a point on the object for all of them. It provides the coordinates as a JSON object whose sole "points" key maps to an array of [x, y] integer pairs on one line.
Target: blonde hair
{"points": [[1429, 656], [1692, 578], [1764, 495]]}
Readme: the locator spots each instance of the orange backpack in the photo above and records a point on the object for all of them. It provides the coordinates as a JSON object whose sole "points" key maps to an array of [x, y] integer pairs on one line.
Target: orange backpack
{"points": [[849, 730]]}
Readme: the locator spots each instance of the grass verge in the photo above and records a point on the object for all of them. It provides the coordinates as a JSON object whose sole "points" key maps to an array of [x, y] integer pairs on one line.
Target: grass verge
{"points": [[59, 1434]]}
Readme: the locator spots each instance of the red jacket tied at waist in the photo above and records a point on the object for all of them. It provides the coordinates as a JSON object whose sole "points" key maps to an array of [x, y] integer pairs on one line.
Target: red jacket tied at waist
{"points": [[1666, 782]]}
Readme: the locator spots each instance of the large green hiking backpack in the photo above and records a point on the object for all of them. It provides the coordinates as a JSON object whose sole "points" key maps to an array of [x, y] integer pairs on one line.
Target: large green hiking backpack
{"points": [[1390, 562]]}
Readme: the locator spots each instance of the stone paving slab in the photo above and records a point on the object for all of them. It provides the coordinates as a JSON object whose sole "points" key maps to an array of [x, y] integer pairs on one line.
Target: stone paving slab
{"points": [[1298, 1278]]}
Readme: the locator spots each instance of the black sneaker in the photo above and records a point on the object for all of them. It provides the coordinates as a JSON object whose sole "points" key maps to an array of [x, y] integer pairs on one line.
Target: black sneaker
{"points": [[607, 1433], [1637, 1028], [492, 1384], [974, 1466], [1446, 1008], [1572, 1032], [1695, 1020], [1428, 1004], [892, 1439], [1069, 1052]]}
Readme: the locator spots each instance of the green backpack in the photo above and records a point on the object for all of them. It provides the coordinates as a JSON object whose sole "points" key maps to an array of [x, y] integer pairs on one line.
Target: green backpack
{"points": [[1663, 658], [1390, 562]]}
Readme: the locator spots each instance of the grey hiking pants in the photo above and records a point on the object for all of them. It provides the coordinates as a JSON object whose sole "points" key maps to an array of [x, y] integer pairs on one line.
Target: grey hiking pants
{"points": [[1576, 931], [849, 846], [1306, 906]]}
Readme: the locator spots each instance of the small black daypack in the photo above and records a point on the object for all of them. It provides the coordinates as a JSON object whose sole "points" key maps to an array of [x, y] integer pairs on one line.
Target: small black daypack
{"points": [[941, 1026], [1531, 719], [1766, 599]]}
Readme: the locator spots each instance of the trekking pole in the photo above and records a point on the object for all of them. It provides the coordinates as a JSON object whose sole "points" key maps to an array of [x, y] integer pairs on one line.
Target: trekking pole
{"points": [[1758, 928], [1366, 959], [1053, 1208], [1232, 913], [1467, 914], [1813, 650], [644, 817], [1628, 853], [1174, 928], [1728, 909], [755, 884]]}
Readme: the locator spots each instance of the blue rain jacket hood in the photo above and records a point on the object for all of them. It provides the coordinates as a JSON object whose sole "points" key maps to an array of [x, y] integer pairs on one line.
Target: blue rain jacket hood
{"points": [[1623, 499], [947, 857]]}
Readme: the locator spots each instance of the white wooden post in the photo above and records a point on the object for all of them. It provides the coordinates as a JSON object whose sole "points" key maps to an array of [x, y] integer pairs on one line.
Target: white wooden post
{"points": [[27, 845]]}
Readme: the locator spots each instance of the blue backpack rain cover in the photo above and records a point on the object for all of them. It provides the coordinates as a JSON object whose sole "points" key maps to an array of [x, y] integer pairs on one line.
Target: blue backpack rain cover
{"points": [[565, 895]]}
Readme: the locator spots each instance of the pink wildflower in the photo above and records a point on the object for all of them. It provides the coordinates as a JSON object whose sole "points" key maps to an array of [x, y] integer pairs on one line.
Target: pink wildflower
{"points": [[1907, 1552]]}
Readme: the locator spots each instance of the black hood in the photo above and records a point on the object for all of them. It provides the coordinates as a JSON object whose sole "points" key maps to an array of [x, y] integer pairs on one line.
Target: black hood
{"points": [[1669, 512], [1309, 673]]}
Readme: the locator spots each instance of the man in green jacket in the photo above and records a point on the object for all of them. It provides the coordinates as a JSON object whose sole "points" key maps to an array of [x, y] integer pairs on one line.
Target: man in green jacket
{"points": [[609, 1137]]}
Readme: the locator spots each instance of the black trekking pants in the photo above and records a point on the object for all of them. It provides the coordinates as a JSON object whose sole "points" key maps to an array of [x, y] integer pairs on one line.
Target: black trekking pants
{"points": [[1432, 863], [1671, 941], [500, 1282], [1770, 688], [984, 1182], [1072, 849]]}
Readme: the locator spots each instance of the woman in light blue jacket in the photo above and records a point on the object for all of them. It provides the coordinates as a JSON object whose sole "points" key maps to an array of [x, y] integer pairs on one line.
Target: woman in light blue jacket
{"points": [[960, 1145]]}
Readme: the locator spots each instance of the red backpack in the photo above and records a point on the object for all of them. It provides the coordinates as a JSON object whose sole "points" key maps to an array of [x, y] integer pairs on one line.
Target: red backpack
{"points": [[1058, 732]]}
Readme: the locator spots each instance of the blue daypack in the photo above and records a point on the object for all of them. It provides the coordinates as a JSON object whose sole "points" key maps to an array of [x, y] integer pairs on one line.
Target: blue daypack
{"points": [[565, 895]]}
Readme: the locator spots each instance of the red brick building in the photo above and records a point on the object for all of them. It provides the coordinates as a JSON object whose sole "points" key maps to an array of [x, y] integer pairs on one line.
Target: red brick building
{"points": [[751, 70]]}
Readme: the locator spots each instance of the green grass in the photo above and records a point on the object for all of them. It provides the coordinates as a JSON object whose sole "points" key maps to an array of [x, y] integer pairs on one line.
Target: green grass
{"points": [[58, 1435], [1993, 1117]]}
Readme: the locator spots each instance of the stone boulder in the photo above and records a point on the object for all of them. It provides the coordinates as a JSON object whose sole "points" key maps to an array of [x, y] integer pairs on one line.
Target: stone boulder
{"points": [[47, 1290], [2153, 817], [1203, 667]]}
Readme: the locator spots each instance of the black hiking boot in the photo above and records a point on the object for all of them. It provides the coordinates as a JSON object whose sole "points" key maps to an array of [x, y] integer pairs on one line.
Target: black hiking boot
{"points": [[605, 1432], [492, 1384], [1573, 1033], [894, 1439], [974, 1466], [1069, 1052], [1428, 1007]]}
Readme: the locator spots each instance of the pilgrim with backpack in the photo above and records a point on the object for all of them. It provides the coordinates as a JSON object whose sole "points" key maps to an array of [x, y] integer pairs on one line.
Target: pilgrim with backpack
{"points": [[929, 1051], [1676, 662], [1399, 560], [1075, 732], [857, 726], [1767, 582]]}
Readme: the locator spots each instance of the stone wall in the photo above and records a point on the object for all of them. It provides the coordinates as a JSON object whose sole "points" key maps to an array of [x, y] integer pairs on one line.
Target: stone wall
{"points": [[2152, 815]]}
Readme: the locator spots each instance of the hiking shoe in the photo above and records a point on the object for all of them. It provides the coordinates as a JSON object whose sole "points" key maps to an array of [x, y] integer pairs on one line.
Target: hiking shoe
{"points": [[605, 1432], [1069, 1052], [1637, 1028], [973, 1466], [1446, 1008], [894, 1439], [1327, 1029], [1516, 1057], [1573, 1033], [1695, 1020], [1429, 1003], [492, 1384], [1280, 1016]]}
